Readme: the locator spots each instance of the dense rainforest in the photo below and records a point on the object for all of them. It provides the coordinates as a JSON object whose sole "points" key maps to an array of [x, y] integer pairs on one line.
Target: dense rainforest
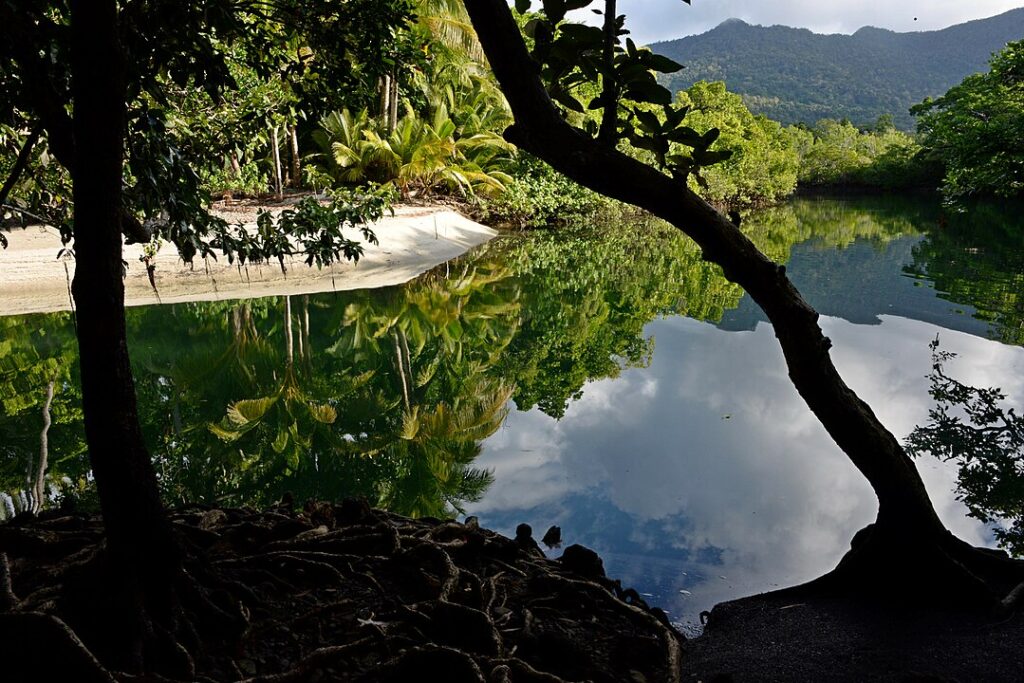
{"points": [[420, 115]]}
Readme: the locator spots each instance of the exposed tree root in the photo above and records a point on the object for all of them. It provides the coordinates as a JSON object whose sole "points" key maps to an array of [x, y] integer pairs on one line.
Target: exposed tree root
{"points": [[333, 592], [900, 569]]}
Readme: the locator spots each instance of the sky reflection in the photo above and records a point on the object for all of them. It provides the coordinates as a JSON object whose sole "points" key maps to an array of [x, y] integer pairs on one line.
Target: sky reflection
{"points": [[706, 473]]}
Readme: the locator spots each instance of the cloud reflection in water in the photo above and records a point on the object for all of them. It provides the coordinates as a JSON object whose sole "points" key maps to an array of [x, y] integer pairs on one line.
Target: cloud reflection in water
{"points": [[706, 472]]}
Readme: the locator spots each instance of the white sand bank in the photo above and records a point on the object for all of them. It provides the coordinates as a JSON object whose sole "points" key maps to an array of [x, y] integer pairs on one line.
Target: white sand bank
{"points": [[412, 242]]}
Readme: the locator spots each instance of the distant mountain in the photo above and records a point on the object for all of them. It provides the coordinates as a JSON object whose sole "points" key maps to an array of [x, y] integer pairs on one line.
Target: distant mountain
{"points": [[795, 75]]}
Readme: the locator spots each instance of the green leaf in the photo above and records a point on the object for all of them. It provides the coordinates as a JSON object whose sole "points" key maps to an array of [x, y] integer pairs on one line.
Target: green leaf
{"points": [[324, 414], [250, 410], [523, 6], [582, 37], [648, 91], [648, 121], [281, 442], [650, 144], [566, 100], [685, 135], [709, 137], [228, 435], [709, 158], [659, 63], [555, 10]]}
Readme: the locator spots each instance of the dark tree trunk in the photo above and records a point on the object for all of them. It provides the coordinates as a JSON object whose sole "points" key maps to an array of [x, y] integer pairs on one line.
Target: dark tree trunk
{"points": [[907, 523], [608, 134], [138, 533]]}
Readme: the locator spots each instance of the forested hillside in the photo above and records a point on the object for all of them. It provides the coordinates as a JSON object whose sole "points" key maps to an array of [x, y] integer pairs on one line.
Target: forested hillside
{"points": [[794, 75]]}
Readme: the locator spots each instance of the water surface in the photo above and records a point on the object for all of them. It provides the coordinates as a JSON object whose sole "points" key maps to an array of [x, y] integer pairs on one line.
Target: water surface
{"points": [[604, 379]]}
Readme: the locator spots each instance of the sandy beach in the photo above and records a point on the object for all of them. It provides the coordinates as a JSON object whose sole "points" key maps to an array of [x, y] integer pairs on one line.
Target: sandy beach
{"points": [[412, 242]]}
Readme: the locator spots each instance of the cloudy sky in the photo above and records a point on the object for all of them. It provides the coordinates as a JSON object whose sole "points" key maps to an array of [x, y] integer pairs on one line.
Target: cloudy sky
{"points": [[652, 20]]}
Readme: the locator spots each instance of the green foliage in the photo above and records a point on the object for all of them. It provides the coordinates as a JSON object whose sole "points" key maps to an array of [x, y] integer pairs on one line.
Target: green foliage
{"points": [[204, 79], [976, 258], [36, 351], [417, 157], [576, 59], [837, 153], [312, 227], [977, 129], [42, 196], [588, 292], [762, 163], [539, 195], [249, 180], [795, 76], [969, 425]]}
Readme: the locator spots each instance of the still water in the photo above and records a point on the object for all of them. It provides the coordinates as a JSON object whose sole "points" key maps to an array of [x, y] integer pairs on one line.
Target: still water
{"points": [[604, 379]]}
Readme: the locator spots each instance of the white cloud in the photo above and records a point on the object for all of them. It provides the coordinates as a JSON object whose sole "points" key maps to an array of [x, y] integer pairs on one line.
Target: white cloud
{"points": [[714, 446]]}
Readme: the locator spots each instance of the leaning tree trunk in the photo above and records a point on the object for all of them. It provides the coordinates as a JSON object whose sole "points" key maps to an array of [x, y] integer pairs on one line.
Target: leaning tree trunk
{"points": [[138, 534], [907, 523]]}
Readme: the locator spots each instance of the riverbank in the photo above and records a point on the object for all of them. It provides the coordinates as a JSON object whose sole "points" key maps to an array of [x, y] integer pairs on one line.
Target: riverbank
{"points": [[345, 592], [412, 241], [328, 592]]}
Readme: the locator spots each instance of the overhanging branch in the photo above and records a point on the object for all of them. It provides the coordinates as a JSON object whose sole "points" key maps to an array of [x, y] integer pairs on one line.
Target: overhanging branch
{"points": [[21, 163], [540, 129]]}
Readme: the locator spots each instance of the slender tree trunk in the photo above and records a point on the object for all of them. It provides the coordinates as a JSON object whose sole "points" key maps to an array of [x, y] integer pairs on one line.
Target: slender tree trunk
{"points": [[904, 504], [393, 102], [236, 174], [293, 152], [305, 327], [385, 98], [289, 339], [38, 483], [139, 537], [400, 366], [275, 145]]}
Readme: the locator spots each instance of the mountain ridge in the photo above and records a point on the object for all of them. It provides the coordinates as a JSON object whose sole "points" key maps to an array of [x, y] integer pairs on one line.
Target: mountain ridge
{"points": [[795, 75]]}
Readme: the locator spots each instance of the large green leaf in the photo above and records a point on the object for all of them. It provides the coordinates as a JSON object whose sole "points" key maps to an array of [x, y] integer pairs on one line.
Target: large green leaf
{"points": [[250, 410]]}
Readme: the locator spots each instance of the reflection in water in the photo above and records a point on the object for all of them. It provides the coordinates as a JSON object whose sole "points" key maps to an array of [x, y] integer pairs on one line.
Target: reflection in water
{"points": [[977, 259], [383, 394], [655, 420], [684, 473]]}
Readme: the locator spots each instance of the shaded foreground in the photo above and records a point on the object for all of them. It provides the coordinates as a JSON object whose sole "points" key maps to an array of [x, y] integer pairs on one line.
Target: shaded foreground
{"points": [[333, 593], [349, 593]]}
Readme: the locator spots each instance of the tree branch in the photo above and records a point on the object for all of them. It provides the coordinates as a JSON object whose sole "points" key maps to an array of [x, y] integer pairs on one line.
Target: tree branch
{"points": [[20, 163], [540, 129]]}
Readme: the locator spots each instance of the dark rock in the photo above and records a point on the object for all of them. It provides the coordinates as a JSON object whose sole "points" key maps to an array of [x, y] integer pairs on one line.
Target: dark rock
{"points": [[582, 561], [553, 537], [353, 511], [524, 539]]}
